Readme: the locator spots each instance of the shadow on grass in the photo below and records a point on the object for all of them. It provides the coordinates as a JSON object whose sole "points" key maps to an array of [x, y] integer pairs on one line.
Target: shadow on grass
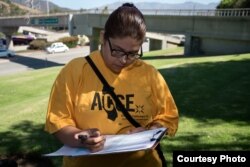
{"points": [[210, 94], [27, 138], [212, 91], [190, 141]]}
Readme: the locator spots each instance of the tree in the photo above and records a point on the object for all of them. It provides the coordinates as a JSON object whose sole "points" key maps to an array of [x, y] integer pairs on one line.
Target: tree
{"points": [[234, 4], [2, 35]]}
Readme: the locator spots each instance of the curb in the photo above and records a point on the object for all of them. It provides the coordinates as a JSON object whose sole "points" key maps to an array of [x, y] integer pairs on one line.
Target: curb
{"points": [[4, 61]]}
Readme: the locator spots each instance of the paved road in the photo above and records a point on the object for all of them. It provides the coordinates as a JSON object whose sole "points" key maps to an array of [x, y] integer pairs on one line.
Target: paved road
{"points": [[38, 59], [32, 60]]}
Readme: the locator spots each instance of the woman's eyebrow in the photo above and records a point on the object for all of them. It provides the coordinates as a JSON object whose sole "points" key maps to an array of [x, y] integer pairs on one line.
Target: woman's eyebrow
{"points": [[120, 48]]}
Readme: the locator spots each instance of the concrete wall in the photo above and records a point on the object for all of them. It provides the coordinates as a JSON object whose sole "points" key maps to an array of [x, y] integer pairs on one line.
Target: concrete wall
{"points": [[212, 46], [206, 34]]}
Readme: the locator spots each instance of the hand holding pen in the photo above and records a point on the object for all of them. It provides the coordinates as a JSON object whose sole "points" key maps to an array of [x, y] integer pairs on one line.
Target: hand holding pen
{"points": [[91, 139]]}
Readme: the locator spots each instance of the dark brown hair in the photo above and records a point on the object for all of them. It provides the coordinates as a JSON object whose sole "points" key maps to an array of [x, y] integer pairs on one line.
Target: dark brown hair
{"points": [[125, 21]]}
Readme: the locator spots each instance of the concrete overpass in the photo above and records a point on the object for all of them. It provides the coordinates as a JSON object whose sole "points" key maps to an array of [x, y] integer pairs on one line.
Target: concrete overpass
{"points": [[11, 24], [42, 33], [160, 41], [207, 32]]}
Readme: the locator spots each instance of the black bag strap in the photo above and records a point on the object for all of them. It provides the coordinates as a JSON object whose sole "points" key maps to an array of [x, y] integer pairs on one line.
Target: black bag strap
{"points": [[121, 107], [109, 89]]}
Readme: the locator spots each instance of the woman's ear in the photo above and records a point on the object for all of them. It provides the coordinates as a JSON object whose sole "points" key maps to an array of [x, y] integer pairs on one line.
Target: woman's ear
{"points": [[102, 36]]}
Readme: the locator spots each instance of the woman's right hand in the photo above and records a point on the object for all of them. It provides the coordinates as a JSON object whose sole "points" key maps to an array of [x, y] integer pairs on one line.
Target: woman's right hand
{"points": [[91, 139]]}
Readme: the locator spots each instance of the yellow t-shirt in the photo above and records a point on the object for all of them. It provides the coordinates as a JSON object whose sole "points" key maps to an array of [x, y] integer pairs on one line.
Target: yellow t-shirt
{"points": [[77, 99]]}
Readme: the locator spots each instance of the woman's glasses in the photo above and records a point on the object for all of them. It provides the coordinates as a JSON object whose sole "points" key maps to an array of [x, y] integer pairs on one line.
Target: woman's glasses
{"points": [[120, 53]]}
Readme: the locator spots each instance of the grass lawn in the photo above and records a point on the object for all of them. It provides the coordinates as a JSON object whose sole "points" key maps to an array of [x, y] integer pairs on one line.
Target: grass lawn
{"points": [[211, 94]]}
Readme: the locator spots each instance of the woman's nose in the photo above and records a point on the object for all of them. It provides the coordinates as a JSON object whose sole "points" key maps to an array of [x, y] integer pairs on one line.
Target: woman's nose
{"points": [[123, 59]]}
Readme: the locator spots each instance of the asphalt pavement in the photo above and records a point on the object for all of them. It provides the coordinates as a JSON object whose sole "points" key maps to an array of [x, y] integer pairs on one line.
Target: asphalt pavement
{"points": [[32, 60]]}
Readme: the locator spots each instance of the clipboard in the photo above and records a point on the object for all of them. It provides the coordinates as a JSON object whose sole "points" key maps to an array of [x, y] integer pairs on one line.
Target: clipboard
{"points": [[118, 144]]}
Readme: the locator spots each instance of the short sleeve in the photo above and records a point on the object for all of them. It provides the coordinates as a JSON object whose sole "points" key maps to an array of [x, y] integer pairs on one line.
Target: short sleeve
{"points": [[164, 111], [60, 111]]}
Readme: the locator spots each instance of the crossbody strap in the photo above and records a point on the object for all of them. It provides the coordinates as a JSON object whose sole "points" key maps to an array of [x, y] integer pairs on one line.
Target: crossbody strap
{"points": [[110, 90]]}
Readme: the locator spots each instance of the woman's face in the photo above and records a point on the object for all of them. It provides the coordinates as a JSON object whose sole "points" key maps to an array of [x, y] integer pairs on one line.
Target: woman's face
{"points": [[117, 52]]}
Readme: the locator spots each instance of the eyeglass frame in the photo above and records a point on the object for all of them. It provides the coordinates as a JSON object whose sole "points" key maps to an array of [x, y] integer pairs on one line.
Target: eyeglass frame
{"points": [[127, 54]]}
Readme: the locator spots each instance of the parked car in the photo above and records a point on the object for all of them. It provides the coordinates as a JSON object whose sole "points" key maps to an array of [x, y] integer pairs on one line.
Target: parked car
{"points": [[57, 47], [6, 53]]}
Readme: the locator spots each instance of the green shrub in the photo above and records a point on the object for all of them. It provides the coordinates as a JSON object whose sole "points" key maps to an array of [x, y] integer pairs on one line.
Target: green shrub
{"points": [[71, 42], [38, 44]]}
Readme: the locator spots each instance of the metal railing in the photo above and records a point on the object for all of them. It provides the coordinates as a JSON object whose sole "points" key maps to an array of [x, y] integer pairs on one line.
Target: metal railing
{"points": [[170, 12], [186, 12], [37, 15]]}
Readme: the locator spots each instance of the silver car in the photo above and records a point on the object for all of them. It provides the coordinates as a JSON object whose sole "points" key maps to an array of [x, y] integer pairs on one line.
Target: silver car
{"points": [[6, 53]]}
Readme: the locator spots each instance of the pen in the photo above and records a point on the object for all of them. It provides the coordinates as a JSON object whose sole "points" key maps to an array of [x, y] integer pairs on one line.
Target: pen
{"points": [[82, 138]]}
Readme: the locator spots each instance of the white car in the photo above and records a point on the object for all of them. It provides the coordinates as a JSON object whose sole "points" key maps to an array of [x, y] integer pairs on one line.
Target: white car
{"points": [[57, 47], [6, 53]]}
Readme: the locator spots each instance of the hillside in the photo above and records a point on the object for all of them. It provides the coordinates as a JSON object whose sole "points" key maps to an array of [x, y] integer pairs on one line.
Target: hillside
{"points": [[4, 7], [164, 6], [8, 8], [27, 8], [45, 6], [42, 5]]}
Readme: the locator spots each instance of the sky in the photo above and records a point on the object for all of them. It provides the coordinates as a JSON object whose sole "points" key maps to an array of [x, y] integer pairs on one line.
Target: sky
{"points": [[88, 4]]}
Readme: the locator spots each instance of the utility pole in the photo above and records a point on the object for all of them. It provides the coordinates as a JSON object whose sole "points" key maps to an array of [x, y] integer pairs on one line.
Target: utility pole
{"points": [[47, 7], [29, 3]]}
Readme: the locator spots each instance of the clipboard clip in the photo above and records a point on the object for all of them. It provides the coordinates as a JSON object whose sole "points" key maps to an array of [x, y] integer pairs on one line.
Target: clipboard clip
{"points": [[156, 136]]}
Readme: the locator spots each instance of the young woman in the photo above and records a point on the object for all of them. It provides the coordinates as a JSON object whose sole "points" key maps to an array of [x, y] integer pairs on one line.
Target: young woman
{"points": [[79, 105]]}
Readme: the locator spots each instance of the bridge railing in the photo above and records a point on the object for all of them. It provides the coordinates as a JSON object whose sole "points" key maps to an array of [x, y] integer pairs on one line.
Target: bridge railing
{"points": [[172, 12], [185, 12], [202, 12], [233, 12]]}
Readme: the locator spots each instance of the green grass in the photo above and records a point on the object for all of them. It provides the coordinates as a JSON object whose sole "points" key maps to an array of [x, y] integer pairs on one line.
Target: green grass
{"points": [[169, 51], [23, 102], [211, 94]]}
